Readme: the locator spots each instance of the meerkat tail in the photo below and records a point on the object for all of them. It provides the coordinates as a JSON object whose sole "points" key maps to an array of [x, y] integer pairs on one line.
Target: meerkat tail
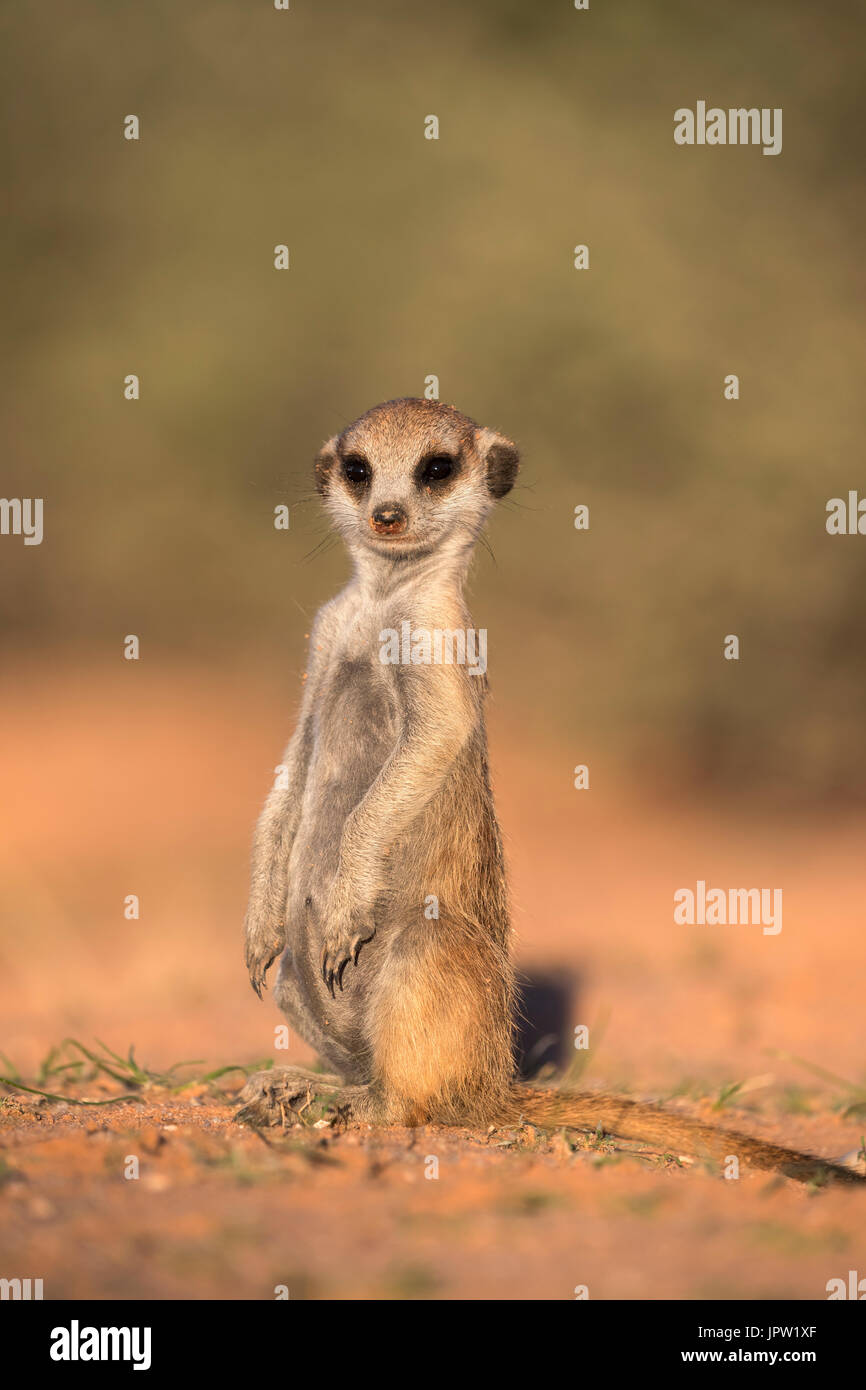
{"points": [[630, 1119]]}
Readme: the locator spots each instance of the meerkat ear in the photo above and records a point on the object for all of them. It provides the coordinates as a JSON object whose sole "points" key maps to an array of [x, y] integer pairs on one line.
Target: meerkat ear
{"points": [[501, 461], [324, 462]]}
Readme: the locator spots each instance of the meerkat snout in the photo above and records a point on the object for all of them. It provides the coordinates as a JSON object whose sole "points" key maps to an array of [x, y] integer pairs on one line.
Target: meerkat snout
{"points": [[389, 520]]}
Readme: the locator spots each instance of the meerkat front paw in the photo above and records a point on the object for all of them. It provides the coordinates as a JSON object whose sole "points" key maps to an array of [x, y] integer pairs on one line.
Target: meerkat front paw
{"points": [[264, 942], [346, 930]]}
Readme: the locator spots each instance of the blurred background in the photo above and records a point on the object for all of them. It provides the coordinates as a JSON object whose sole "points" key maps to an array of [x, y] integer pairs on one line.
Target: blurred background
{"points": [[454, 258]]}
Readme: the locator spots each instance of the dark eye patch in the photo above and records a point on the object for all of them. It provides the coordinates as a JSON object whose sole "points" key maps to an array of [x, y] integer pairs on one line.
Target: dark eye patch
{"points": [[436, 469], [356, 470]]}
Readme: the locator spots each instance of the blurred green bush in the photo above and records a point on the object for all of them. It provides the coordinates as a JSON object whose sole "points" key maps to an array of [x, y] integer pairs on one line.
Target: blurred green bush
{"points": [[412, 257]]}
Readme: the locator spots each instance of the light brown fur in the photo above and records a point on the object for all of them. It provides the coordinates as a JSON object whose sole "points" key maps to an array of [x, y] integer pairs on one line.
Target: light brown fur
{"points": [[389, 808]]}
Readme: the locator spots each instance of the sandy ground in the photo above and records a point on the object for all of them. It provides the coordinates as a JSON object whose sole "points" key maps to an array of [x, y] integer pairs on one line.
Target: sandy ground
{"points": [[121, 781]]}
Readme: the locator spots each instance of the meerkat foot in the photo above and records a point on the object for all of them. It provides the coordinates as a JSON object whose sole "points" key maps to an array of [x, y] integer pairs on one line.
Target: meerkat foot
{"points": [[291, 1095], [283, 1095]]}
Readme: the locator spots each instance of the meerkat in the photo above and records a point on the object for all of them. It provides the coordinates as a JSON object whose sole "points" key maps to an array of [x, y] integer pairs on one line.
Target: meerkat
{"points": [[378, 876]]}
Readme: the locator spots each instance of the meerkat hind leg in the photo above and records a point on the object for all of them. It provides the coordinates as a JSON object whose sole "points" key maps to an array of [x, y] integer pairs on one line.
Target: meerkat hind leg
{"points": [[270, 1097]]}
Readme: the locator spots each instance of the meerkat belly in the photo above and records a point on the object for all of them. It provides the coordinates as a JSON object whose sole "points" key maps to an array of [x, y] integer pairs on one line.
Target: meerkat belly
{"points": [[356, 731]]}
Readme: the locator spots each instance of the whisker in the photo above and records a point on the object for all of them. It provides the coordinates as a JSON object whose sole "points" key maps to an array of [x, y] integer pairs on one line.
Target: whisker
{"points": [[485, 541], [321, 549]]}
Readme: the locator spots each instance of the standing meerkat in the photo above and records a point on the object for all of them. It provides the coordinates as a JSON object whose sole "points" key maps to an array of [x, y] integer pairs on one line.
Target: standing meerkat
{"points": [[388, 810]]}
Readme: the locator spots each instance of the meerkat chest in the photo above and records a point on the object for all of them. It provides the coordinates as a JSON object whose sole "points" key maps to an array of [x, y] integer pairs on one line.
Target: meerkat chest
{"points": [[357, 710]]}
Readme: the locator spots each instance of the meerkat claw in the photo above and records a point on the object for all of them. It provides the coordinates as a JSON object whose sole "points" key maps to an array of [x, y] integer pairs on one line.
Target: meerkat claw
{"points": [[358, 943], [330, 973], [262, 948], [258, 971], [335, 960]]}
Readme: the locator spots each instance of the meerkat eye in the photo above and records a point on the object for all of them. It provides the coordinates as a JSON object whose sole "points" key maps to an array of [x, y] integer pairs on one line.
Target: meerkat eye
{"points": [[437, 469], [356, 469]]}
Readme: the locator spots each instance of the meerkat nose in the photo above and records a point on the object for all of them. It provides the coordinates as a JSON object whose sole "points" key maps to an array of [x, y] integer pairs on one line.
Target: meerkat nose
{"points": [[389, 520]]}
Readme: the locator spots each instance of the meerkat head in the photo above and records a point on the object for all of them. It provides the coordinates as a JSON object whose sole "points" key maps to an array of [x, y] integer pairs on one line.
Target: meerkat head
{"points": [[411, 476]]}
